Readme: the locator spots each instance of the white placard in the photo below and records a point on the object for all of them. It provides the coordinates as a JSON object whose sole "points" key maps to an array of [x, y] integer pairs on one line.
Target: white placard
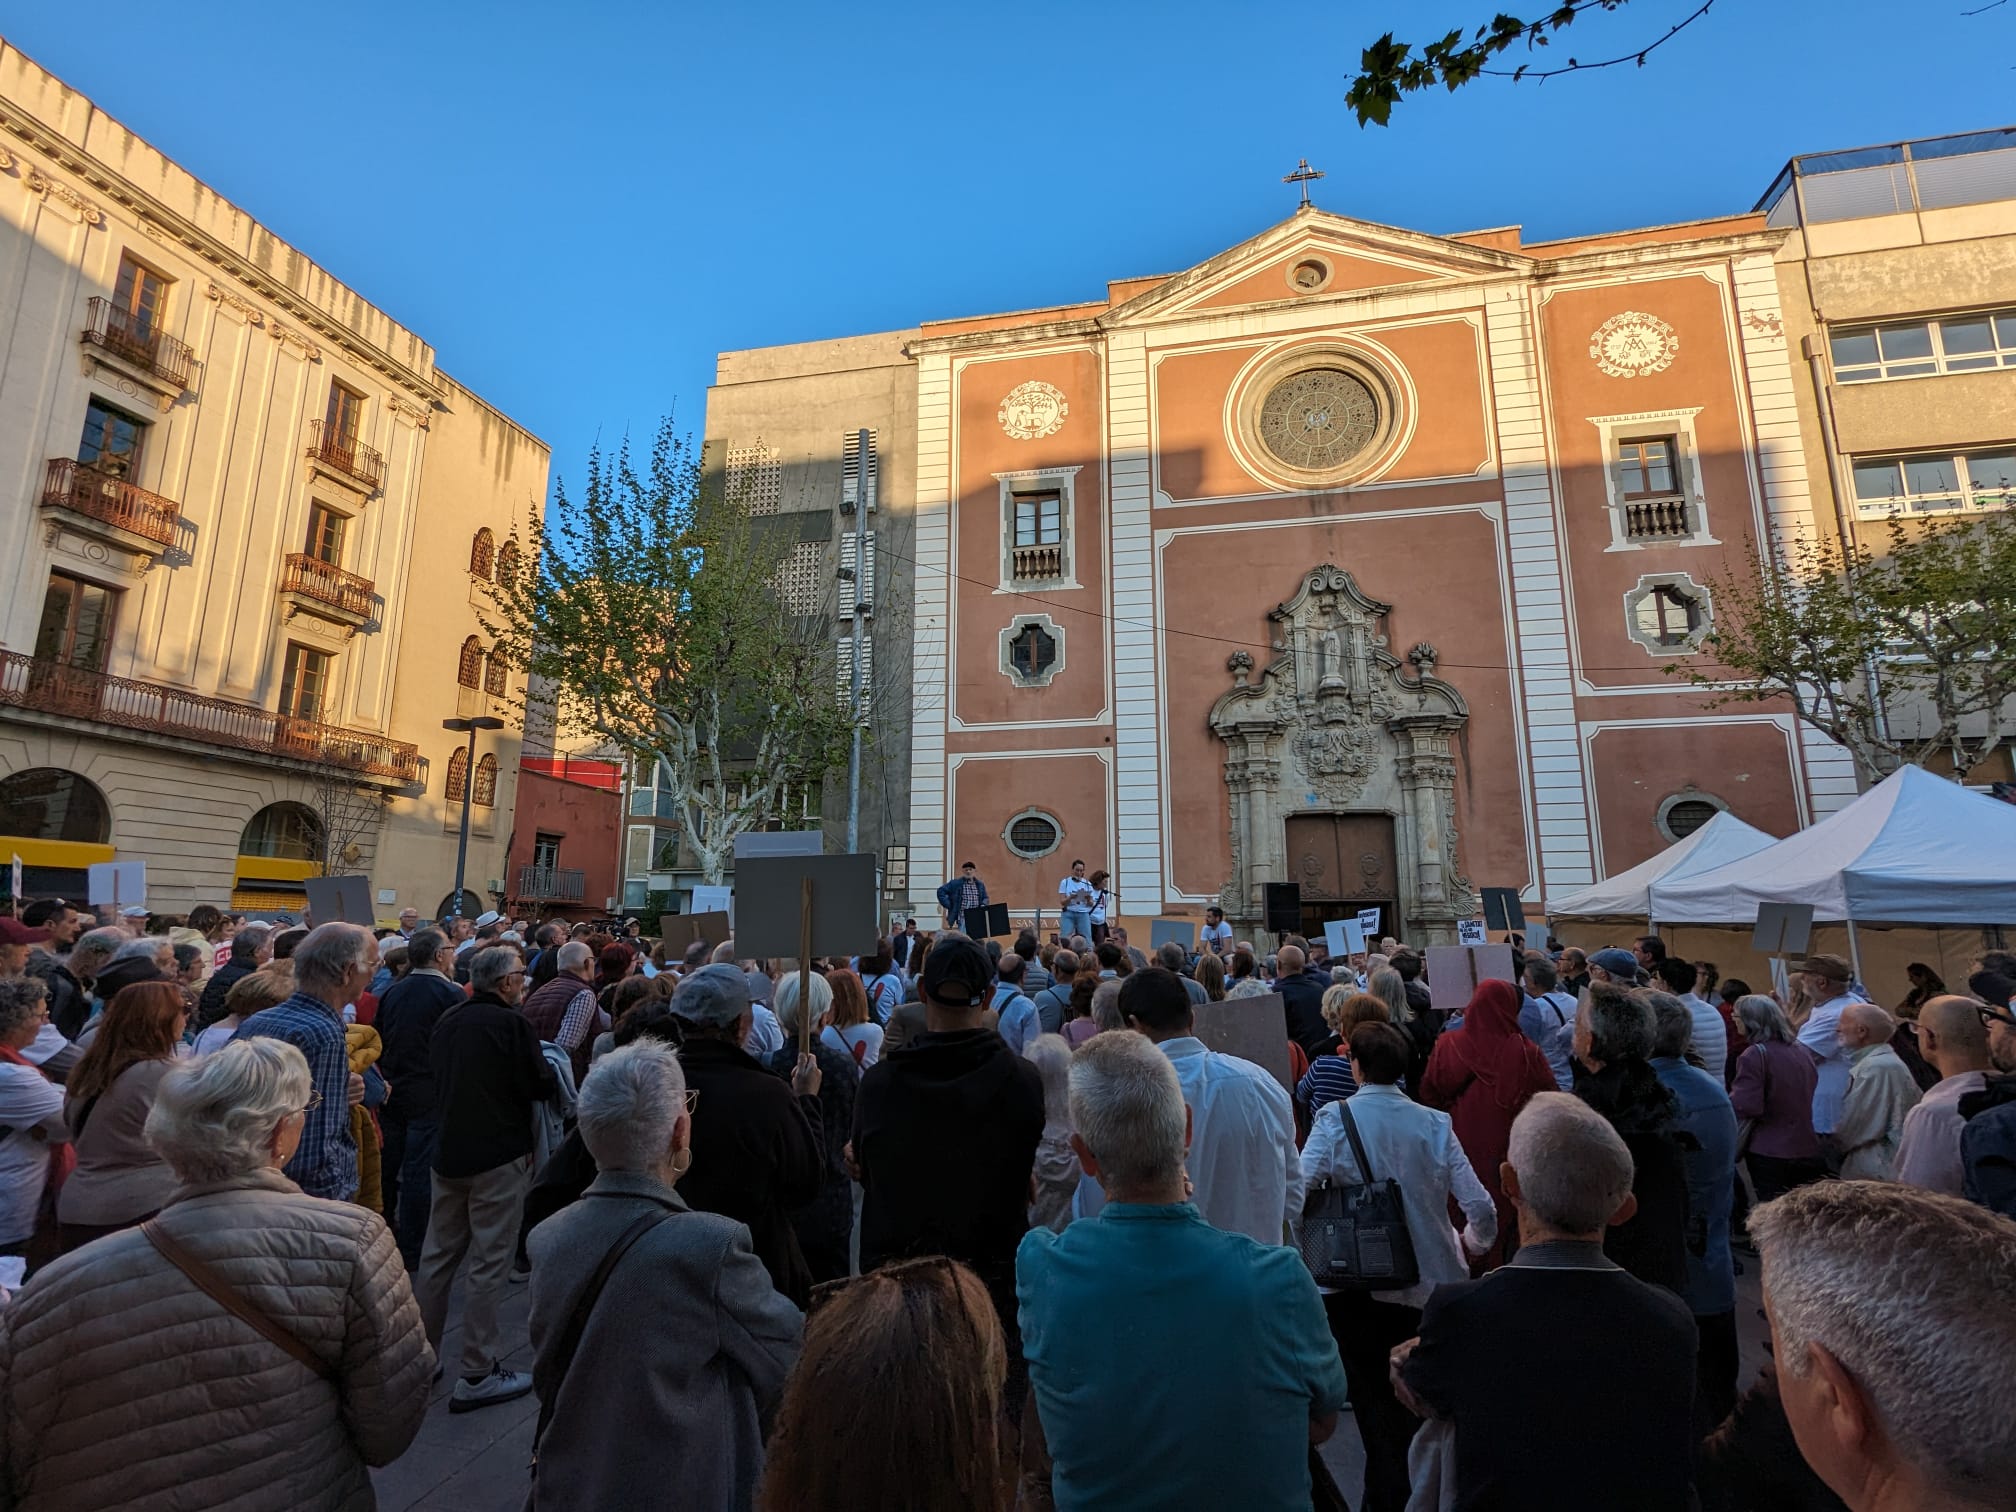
{"points": [[1345, 937], [1470, 932], [708, 899], [1368, 922]]}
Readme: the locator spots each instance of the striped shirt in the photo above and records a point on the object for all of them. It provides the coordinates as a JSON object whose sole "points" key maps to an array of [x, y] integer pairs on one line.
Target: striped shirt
{"points": [[1329, 1079], [325, 1165]]}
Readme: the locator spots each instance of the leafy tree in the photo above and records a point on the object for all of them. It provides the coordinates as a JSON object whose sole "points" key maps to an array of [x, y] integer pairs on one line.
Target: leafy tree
{"points": [[1907, 656], [1389, 68], [651, 610]]}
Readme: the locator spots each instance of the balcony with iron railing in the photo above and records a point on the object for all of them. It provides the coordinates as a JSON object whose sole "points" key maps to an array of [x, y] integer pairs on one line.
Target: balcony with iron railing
{"points": [[1038, 564], [102, 504], [53, 687], [136, 340], [550, 884], [1658, 520], [322, 588], [345, 455]]}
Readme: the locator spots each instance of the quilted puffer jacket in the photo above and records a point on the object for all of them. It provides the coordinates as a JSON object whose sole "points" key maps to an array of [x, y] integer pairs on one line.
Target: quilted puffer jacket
{"points": [[122, 1386]]}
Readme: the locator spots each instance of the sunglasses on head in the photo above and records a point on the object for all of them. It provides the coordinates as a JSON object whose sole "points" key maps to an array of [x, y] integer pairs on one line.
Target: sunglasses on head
{"points": [[1991, 1015]]}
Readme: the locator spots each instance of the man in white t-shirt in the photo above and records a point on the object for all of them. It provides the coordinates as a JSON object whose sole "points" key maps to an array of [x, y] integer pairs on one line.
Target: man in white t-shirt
{"points": [[1825, 978], [1217, 933], [1078, 895]]}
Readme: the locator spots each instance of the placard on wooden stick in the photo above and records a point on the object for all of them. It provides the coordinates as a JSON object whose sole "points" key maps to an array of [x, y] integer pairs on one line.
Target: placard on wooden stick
{"points": [[769, 903], [1782, 928], [1502, 911], [341, 900], [681, 931], [1456, 971], [117, 884], [1253, 1028]]}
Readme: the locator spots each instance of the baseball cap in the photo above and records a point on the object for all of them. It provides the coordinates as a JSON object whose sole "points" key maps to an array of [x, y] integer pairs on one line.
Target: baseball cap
{"points": [[14, 932], [1831, 967], [716, 995], [957, 973], [1618, 962]]}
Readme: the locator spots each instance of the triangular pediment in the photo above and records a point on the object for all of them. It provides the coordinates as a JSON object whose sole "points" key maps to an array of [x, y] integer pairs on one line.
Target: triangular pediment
{"points": [[1315, 255]]}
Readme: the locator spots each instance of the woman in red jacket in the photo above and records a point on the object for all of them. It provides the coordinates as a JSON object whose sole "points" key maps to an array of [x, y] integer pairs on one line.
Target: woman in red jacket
{"points": [[1481, 1075]]}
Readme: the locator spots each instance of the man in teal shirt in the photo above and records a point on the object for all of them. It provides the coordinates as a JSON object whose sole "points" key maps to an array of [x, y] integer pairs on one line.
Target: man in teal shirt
{"points": [[1214, 1346]]}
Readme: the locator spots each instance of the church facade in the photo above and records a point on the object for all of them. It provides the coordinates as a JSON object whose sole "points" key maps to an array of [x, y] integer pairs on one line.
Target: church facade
{"points": [[1353, 557]]}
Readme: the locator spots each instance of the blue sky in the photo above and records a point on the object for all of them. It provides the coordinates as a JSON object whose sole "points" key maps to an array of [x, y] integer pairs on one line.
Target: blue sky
{"points": [[579, 206]]}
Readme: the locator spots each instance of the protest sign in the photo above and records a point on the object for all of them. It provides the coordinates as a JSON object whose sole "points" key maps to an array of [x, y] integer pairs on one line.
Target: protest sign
{"points": [[117, 884], [1470, 932], [1782, 928], [1345, 937], [340, 900], [681, 931], [1454, 971], [1252, 1028]]}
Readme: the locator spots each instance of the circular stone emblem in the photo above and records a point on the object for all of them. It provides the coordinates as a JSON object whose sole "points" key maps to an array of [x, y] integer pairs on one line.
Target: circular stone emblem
{"points": [[1032, 410], [1633, 345], [1318, 419]]}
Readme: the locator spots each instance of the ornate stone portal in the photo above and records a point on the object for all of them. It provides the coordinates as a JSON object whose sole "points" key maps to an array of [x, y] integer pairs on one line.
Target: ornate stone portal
{"points": [[1335, 725]]}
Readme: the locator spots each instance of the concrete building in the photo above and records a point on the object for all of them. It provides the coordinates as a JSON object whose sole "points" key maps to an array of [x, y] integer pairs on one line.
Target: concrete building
{"points": [[1355, 557], [224, 480], [1897, 277]]}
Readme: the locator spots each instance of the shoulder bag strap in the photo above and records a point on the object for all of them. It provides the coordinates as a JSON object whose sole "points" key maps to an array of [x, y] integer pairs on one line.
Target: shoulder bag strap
{"points": [[1357, 1144], [548, 1384], [233, 1301]]}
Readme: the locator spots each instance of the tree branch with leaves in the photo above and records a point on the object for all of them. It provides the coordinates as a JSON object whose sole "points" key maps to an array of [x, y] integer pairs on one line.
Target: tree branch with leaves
{"points": [[652, 610], [1903, 657]]}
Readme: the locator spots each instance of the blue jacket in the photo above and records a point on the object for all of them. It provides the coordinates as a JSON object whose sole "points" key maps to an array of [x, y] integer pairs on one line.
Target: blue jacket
{"points": [[1988, 1145], [1706, 1114], [948, 900]]}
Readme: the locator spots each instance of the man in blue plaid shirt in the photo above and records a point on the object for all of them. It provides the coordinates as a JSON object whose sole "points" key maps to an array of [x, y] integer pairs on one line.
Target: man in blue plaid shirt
{"points": [[332, 966]]}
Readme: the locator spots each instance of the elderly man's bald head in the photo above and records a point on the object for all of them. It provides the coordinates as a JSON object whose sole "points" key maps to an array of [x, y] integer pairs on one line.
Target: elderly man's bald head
{"points": [[1291, 960], [1865, 1024], [1952, 1036]]}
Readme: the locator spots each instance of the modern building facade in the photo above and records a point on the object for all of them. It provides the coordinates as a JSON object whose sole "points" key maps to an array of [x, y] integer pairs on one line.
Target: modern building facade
{"points": [[1358, 557], [221, 472]]}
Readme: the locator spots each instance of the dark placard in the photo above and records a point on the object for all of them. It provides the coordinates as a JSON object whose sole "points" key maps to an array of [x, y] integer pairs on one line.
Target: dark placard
{"points": [[341, 900], [769, 905], [1253, 1028], [679, 931], [1502, 911], [987, 923]]}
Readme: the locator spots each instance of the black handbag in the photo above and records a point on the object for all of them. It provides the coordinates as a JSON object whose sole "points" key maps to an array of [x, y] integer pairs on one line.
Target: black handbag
{"points": [[1354, 1234]]}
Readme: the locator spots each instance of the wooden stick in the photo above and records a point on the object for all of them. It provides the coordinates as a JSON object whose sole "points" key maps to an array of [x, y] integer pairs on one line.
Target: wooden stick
{"points": [[805, 967]]}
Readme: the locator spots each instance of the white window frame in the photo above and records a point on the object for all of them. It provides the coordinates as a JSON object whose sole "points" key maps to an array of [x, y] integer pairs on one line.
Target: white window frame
{"points": [[1998, 356], [850, 468], [1614, 430], [1064, 482], [1685, 584], [1970, 495], [1014, 628]]}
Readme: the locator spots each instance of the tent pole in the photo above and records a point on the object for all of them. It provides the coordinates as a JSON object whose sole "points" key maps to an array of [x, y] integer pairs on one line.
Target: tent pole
{"points": [[1855, 955]]}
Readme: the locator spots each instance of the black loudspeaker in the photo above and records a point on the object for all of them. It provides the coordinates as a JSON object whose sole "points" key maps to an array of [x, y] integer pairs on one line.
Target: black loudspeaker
{"points": [[1284, 907]]}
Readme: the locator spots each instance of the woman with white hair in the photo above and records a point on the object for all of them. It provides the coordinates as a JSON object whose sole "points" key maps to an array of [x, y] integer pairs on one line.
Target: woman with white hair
{"points": [[825, 1225], [1057, 1172], [658, 1383], [281, 1323]]}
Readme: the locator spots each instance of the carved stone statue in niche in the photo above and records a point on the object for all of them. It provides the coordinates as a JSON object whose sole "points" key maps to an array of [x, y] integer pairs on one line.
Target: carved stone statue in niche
{"points": [[1336, 724]]}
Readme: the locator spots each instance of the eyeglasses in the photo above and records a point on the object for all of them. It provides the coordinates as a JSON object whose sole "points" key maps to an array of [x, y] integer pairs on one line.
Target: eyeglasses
{"points": [[1991, 1016], [314, 1102], [692, 1096]]}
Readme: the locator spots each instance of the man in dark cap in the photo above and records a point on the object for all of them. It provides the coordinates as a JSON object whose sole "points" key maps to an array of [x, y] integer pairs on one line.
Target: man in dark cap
{"points": [[945, 1135]]}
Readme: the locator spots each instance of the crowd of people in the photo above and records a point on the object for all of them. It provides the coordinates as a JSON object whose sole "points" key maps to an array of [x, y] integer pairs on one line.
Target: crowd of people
{"points": [[948, 1225]]}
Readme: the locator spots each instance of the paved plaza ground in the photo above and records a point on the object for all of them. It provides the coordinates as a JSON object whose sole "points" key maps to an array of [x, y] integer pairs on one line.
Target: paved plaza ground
{"points": [[477, 1462]]}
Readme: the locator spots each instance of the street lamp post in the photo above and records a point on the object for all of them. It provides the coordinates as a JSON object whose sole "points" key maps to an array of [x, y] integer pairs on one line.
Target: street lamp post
{"points": [[480, 722]]}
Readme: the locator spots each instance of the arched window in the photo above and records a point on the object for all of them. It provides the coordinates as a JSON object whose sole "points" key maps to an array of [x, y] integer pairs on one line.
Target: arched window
{"points": [[48, 803], [494, 669], [482, 554], [486, 783], [458, 774], [469, 672], [284, 831], [509, 560]]}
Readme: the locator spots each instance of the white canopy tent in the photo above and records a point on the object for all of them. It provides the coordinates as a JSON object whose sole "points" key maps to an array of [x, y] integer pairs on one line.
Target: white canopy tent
{"points": [[1914, 849], [1723, 839]]}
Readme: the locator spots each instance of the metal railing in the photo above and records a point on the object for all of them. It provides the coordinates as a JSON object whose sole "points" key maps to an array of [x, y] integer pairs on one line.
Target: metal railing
{"points": [[551, 884], [1035, 563], [346, 454], [1657, 520], [311, 577], [83, 489], [137, 340], [52, 687]]}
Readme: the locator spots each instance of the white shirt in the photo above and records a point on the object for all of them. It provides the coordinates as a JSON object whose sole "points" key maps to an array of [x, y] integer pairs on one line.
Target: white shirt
{"points": [[1243, 1162], [867, 1036], [1220, 933], [28, 1100], [1821, 1034], [1076, 892], [1099, 898], [1416, 1147], [1710, 1039], [766, 1035]]}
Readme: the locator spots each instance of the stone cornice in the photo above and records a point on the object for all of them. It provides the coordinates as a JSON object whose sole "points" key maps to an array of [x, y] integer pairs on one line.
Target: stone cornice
{"points": [[164, 224]]}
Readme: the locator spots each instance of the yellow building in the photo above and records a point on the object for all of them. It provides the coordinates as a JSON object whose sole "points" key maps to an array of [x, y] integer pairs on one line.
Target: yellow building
{"points": [[249, 524]]}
